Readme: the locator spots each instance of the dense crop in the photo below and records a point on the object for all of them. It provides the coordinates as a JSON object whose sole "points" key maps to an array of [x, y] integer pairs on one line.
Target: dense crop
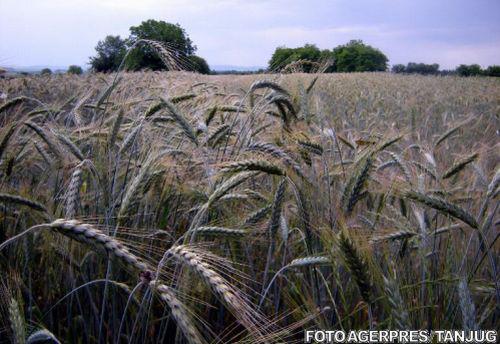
{"points": [[165, 207]]}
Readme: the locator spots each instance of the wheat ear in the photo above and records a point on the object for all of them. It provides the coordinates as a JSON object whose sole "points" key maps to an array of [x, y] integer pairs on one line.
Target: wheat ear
{"points": [[220, 231], [45, 137], [356, 183], [179, 312], [443, 206], [73, 195], [467, 307], [6, 137], [42, 336], [253, 165], [357, 266], [222, 288], [459, 165], [398, 312], [17, 323], [88, 234]]}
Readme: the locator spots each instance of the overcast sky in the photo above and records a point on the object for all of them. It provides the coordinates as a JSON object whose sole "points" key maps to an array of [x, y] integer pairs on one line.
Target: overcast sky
{"points": [[245, 32]]}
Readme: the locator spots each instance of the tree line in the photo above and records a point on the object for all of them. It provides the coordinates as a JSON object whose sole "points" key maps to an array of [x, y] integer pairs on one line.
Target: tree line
{"points": [[114, 52], [433, 69], [356, 56]]}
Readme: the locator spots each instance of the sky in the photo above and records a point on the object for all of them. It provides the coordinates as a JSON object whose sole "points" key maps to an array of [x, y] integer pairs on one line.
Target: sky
{"points": [[246, 32]]}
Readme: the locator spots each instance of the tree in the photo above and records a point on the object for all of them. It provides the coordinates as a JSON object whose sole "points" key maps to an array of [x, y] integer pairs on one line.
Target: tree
{"points": [[492, 71], [73, 69], [280, 58], [422, 68], [46, 71], [356, 56], [172, 35], [110, 53], [469, 70], [398, 68], [283, 56], [198, 64], [445, 72]]}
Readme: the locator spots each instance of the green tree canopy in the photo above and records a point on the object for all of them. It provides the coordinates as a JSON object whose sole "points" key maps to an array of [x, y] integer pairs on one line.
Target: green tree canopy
{"points": [[198, 64], [469, 70], [283, 56], [172, 35], [492, 71], [398, 68], [356, 56], [110, 53], [46, 71], [422, 68], [73, 69]]}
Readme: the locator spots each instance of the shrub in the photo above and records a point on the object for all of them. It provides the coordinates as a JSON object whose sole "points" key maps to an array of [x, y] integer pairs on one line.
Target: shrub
{"points": [[283, 56], [422, 68], [469, 70], [198, 64], [398, 68], [492, 71], [356, 56], [73, 69]]}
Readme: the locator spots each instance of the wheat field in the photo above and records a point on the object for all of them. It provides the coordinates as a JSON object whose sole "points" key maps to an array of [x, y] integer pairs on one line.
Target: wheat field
{"points": [[171, 207]]}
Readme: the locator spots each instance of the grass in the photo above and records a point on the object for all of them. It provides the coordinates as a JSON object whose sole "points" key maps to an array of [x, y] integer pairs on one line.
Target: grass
{"points": [[180, 208]]}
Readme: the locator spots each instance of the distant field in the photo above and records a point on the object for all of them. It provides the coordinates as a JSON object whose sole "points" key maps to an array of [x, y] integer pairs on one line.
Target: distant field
{"points": [[247, 208]]}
